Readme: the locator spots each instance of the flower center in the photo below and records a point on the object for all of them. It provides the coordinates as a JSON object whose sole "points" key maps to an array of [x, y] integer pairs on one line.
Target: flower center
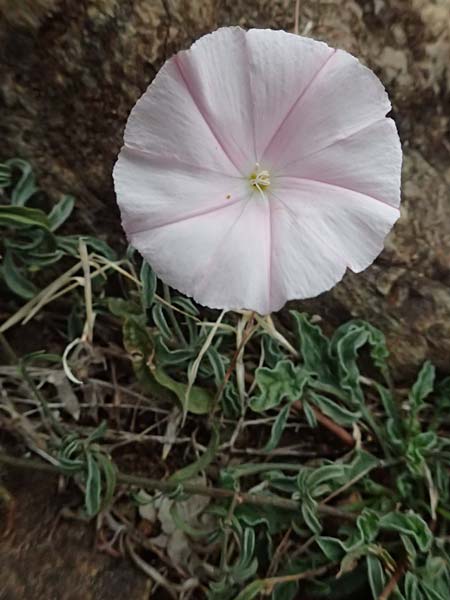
{"points": [[259, 178]]}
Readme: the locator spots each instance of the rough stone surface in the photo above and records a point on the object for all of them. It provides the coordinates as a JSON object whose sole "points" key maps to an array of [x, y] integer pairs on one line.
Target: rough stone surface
{"points": [[48, 557], [71, 71]]}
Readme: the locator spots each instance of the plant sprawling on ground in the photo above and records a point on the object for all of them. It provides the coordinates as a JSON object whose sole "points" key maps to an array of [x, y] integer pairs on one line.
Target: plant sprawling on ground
{"points": [[248, 458]]}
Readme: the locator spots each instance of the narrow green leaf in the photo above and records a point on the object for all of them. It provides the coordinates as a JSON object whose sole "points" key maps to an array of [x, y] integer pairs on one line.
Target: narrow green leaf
{"points": [[326, 473], [376, 576], [26, 239], [181, 357], [423, 386], [375, 338], [109, 475], [123, 309], [252, 590], [411, 584], [99, 246], [5, 175], [310, 415], [149, 282], [431, 593], [309, 512], [278, 428], [38, 260], [347, 352], [93, 486], [332, 548], [161, 321], [60, 212], [26, 186], [247, 564], [247, 547], [338, 413], [70, 245], [389, 404], [186, 305], [187, 528], [271, 350], [201, 463], [98, 433], [362, 463], [200, 400], [15, 280], [368, 525], [410, 524], [217, 363], [21, 216], [140, 346]]}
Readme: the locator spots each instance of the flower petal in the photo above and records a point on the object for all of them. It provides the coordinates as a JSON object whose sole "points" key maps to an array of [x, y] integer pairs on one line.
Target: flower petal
{"points": [[168, 122], [368, 162], [206, 257], [152, 192], [215, 73], [343, 98], [282, 67], [319, 230]]}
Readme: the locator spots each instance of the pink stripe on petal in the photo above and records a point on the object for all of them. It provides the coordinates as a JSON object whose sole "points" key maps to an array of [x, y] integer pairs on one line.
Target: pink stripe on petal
{"points": [[173, 162], [368, 162], [215, 71], [345, 97], [179, 218], [291, 181], [297, 102], [204, 115]]}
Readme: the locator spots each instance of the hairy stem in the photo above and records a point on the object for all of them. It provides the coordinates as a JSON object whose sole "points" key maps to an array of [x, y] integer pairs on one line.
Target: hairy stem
{"points": [[190, 488]]}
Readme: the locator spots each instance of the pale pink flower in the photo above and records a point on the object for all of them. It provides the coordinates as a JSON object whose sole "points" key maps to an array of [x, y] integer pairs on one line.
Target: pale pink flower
{"points": [[258, 167]]}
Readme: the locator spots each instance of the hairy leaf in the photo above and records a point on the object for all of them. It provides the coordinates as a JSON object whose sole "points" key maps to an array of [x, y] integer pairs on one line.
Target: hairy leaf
{"points": [[338, 413], [26, 186], [201, 463], [423, 386], [61, 212], [284, 381], [410, 524], [149, 282], [376, 576], [278, 428], [22, 216], [252, 590], [314, 348], [93, 486], [15, 280]]}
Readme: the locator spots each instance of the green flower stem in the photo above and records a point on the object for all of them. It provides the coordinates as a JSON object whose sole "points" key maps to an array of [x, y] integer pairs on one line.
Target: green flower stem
{"points": [[190, 488]]}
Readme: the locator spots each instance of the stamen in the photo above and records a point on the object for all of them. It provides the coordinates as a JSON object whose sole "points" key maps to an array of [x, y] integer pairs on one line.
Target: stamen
{"points": [[260, 179]]}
